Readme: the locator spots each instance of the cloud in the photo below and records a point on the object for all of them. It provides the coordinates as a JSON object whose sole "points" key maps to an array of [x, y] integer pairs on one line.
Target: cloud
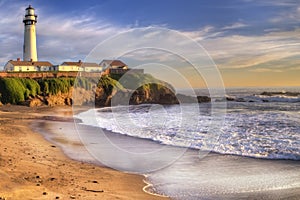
{"points": [[206, 32], [74, 38], [235, 26], [262, 70], [11, 34], [63, 36], [290, 15], [59, 37], [237, 51]]}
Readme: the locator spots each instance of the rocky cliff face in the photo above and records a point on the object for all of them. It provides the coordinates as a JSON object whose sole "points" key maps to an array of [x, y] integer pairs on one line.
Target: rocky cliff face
{"points": [[78, 96], [107, 91], [99, 98], [146, 95]]}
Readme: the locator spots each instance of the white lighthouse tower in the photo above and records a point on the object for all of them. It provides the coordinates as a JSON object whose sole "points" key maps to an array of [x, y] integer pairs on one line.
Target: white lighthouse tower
{"points": [[29, 48]]}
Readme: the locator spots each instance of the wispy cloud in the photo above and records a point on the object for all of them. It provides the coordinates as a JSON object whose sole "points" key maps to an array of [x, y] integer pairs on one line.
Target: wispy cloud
{"points": [[60, 36], [237, 51], [262, 70], [235, 26], [70, 37]]}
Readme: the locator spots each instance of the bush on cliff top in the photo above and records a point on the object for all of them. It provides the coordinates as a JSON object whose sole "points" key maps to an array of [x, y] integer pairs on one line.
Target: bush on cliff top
{"points": [[136, 81], [32, 87], [55, 85], [16, 90], [108, 84]]}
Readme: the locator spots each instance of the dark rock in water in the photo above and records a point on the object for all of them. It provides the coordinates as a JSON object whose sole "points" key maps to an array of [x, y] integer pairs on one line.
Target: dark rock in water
{"points": [[230, 99], [292, 94], [191, 99], [186, 99], [203, 99], [240, 100], [225, 99], [265, 100]]}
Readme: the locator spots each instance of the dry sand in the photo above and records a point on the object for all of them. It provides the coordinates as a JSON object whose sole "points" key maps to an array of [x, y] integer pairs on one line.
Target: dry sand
{"points": [[33, 168]]}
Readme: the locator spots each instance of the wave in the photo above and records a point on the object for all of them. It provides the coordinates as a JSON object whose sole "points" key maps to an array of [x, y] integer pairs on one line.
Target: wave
{"points": [[251, 133], [264, 97], [275, 98]]}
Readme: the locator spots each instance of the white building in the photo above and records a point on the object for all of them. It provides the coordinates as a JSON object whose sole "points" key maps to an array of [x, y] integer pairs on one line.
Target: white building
{"points": [[115, 64], [79, 67], [28, 66]]}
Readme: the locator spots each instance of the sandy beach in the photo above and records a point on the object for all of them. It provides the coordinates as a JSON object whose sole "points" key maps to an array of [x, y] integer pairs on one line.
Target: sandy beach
{"points": [[33, 168]]}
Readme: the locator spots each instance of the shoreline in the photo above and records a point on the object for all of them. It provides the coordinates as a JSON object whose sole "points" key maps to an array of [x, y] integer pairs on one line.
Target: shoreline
{"points": [[70, 143], [31, 167], [201, 176], [239, 169]]}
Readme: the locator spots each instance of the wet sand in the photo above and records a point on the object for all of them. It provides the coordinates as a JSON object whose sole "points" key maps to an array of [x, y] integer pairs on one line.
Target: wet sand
{"points": [[215, 176], [34, 168]]}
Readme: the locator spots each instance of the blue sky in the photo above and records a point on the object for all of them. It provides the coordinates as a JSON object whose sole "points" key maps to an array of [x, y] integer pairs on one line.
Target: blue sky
{"points": [[252, 42]]}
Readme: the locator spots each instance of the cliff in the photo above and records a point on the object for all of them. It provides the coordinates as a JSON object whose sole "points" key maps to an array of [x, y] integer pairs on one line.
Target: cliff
{"points": [[46, 91], [106, 91], [139, 89]]}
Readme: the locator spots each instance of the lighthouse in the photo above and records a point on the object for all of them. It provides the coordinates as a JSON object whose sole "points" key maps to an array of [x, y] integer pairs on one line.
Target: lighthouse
{"points": [[29, 47]]}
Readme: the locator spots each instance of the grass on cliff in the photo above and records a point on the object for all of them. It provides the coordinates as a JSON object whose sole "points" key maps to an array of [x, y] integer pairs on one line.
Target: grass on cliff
{"points": [[135, 81], [16, 90], [108, 84], [55, 85]]}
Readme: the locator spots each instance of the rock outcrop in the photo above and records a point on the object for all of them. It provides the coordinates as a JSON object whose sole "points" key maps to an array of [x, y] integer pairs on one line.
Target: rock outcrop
{"points": [[139, 89]]}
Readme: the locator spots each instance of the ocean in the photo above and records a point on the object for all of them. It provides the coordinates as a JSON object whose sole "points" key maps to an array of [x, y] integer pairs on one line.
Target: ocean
{"points": [[248, 145]]}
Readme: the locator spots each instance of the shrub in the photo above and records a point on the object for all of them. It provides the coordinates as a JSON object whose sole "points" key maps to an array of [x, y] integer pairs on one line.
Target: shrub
{"points": [[12, 90], [55, 85], [108, 84], [32, 86]]}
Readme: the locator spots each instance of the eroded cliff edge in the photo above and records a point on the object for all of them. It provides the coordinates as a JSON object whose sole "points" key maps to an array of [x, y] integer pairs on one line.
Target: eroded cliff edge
{"points": [[104, 91]]}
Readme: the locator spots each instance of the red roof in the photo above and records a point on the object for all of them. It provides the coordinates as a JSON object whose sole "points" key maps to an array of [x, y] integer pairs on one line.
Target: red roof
{"points": [[81, 64], [30, 63], [115, 63]]}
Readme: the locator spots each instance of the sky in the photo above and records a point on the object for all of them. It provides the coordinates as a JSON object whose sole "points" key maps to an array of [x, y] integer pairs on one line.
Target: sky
{"points": [[251, 42]]}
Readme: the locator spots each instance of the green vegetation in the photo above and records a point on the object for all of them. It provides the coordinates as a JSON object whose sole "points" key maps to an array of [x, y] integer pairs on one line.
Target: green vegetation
{"points": [[140, 81], [85, 83], [32, 87], [108, 84], [55, 85], [16, 90]]}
